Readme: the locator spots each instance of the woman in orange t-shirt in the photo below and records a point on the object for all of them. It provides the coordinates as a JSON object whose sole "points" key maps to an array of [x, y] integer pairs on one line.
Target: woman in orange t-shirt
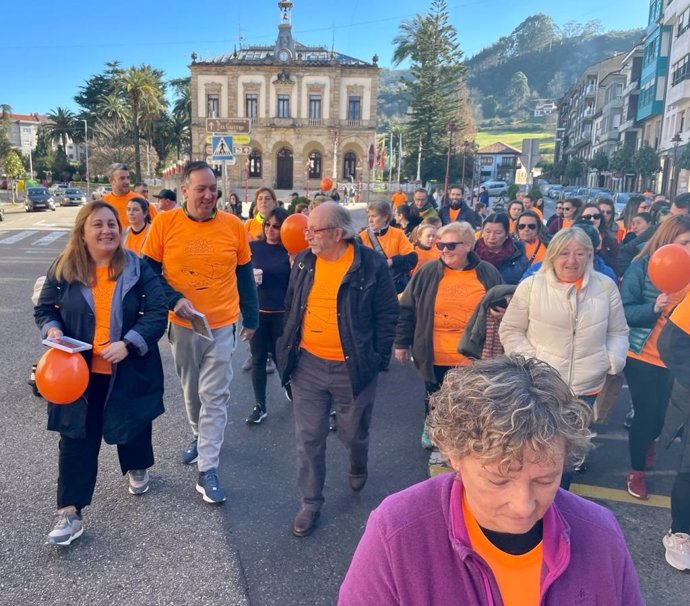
{"points": [[139, 217], [649, 381]]}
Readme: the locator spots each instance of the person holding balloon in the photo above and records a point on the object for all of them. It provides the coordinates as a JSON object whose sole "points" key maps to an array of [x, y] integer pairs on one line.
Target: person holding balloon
{"points": [[650, 290], [271, 264], [100, 293]]}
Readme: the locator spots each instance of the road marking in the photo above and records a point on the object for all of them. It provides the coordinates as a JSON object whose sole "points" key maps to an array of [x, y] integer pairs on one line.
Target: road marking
{"points": [[50, 238], [17, 237]]}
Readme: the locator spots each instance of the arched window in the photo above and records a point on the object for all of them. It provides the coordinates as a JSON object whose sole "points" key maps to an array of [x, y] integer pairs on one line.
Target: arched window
{"points": [[254, 160], [314, 165], [350, 166]]}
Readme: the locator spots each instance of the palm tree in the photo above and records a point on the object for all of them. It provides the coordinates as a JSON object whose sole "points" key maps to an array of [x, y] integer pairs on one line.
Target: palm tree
{"points": [[143, 89], [61, 126]]}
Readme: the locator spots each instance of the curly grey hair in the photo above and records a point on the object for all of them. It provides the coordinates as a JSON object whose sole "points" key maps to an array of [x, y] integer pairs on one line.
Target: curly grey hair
{"points": [[495, 408]]}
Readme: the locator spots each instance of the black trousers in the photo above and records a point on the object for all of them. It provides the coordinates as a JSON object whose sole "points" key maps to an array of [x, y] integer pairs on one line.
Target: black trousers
{"points": [[78, 458], [650, 390], [262, 343], [432, 388], [680, 504]]}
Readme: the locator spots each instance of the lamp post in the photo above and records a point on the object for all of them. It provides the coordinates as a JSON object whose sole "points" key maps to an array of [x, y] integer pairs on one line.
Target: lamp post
{"points": [[676, 140], [450, 129], [86, 148], [465, 145]]}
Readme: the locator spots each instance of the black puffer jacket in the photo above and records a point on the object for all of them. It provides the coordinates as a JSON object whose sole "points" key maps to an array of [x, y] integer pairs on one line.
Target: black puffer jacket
{"points": [[139, 313], [367, 313]]}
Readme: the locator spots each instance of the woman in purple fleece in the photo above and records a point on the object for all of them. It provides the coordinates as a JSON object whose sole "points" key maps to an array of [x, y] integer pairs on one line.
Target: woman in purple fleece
{"points": [[498, 531]]}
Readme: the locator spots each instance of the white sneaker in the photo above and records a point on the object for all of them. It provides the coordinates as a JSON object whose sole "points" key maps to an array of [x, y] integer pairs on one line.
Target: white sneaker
{"points": [[138, 481], [677, 550]]}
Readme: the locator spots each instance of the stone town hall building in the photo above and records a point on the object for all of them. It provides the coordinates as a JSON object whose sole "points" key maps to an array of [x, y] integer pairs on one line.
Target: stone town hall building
{"points": [[312, 110]]}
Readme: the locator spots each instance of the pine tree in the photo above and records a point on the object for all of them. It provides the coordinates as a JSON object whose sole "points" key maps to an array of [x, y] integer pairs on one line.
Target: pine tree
{"points": [[429, 41]]}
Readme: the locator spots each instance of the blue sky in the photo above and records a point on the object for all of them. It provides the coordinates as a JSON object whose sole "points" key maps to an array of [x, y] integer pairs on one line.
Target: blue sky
{"points": [[50, 48]]}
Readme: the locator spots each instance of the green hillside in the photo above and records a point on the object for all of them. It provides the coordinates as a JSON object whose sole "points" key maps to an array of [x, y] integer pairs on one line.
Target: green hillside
{"points": [[514, 135]]}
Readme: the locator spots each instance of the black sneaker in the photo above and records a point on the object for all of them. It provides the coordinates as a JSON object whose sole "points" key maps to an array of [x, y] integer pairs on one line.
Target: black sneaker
{"points": [[190, 454], [258, 414], [208, 486], [288, 391]]}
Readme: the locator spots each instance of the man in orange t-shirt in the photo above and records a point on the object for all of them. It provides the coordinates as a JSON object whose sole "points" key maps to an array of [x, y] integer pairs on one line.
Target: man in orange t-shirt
{"points": [[399, 198], [204, 261], [118, 176], [341, 311]]}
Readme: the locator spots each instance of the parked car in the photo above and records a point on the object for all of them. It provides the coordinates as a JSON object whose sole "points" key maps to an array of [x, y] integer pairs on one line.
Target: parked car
{"points": [[553, 191], [99, 192], [495, 188], [73, 196], [57, 189], [38, 198], [568, 192]]}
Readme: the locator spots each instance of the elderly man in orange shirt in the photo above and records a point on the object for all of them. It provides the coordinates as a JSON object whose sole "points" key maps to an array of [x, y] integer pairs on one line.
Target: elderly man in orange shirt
{"points": [[341, 311]]}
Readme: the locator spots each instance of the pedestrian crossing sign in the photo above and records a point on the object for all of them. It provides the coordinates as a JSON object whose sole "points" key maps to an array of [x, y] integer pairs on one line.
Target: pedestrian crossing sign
{"points": [[221, 146]]}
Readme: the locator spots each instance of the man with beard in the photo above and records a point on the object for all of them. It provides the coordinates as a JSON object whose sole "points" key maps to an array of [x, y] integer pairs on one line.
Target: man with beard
{"points": [[458, 210]]}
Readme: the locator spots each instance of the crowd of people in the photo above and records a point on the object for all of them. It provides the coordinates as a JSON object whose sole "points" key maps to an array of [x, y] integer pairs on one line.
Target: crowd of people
{"points": [[522, 331]]}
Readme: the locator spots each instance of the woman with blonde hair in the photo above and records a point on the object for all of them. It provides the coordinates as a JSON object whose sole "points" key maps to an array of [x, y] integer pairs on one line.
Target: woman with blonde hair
{"points": [[104, 295]]}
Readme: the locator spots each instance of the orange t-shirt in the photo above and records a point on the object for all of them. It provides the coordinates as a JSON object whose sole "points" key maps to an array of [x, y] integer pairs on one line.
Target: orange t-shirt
{"points": [[567, 223], [681, 315], [254, 227], [320, 335], [393, 242], [135, 241], [120, 204], [424, 256], [531, 247], [458, 295], [650, 351], [518, 576], [102, 293], [398, 199], [199, 261], [453, 214]]}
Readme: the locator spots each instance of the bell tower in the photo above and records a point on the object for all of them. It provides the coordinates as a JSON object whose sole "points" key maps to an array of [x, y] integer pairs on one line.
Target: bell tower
{"points": [[285, 45]]}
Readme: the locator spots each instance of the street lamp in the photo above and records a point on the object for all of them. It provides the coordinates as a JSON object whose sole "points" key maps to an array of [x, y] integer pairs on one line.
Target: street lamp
{"points": [[676, 140], [465, 145], [450, 129], [86, 148]]}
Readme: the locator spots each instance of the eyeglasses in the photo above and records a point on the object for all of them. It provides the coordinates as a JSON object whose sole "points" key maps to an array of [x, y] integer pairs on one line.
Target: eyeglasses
{"points": [[272, 226], [310, 232], [451, 246], [594, 217], [527, 226]]}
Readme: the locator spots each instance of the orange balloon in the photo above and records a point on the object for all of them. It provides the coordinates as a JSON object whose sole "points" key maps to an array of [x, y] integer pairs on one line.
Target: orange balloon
{"points": [[292, 233], [61, 377], [326, 184], [669, 268]]}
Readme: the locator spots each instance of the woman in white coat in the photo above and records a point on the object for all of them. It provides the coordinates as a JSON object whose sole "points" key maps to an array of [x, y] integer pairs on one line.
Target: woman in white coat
{"points": [[569, 316]]}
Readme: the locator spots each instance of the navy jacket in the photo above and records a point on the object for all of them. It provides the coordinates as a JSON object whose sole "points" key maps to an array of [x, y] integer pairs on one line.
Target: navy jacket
{"points": [[367, 314], [466, 214], [139, 313]]}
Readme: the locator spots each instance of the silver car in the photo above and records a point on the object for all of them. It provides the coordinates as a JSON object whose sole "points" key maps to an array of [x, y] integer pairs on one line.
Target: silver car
{"points": [[72, 196]]}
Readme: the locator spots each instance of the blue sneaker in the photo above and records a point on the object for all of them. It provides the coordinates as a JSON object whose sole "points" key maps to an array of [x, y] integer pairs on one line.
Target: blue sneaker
{"points": [[208, 486], [190, 454]]}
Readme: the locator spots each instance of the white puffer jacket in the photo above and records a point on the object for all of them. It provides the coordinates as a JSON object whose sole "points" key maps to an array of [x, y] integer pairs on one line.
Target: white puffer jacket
{"points": [[582, 334]]}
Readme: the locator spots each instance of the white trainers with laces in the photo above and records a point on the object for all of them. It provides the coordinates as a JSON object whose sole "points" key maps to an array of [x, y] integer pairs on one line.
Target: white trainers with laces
{"points": [[677, 550], [68, 527]]}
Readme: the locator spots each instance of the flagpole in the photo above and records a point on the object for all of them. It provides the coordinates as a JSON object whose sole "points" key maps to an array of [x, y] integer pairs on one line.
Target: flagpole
{"points": [[419, 158], [399, 156], [390, 164]]}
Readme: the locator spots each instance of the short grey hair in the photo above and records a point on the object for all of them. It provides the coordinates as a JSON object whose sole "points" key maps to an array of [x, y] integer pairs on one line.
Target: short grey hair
{"points": [[340, 217], [381, 207], [462, 229], [561, 240], [495, 408], [115, 166]]}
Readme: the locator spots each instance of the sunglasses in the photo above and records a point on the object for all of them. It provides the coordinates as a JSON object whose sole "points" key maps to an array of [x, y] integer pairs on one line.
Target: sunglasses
{"points": [[272, 225], [527, 226], [451, 246], [594, 217], [567, 208]]}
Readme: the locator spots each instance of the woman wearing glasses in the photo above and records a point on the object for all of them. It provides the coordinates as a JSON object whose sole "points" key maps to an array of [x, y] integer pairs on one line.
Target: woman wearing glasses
{"points": [[531, 232], [608, 249], [571, 206], [437, 304], [271, 264]]}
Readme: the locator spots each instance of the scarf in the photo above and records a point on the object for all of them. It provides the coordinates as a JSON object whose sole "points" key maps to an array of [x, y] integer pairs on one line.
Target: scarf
{"points": [[498, 258]]}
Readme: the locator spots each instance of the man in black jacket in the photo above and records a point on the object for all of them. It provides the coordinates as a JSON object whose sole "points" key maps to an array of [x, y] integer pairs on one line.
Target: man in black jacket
{"points": [[341, 311], [458, 210]]}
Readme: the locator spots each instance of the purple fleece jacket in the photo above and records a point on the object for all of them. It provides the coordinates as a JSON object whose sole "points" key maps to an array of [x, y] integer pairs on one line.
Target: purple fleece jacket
{"points": [[415, 551]]}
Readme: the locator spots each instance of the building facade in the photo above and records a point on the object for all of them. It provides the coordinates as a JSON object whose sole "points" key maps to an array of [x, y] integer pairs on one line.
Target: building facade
{"points": [[498, 162], [312, 111]]}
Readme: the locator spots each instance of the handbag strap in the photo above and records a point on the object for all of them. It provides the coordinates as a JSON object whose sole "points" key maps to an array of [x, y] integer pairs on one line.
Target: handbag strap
{"points": [[375, 242]]}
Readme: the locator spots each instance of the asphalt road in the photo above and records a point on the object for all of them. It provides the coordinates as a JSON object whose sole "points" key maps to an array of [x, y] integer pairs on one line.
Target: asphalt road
{"points": [[168, 547]]}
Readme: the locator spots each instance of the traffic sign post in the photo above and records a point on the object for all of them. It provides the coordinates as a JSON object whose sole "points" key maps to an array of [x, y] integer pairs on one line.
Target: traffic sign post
{"points": [[221, 146], [229, 125]]}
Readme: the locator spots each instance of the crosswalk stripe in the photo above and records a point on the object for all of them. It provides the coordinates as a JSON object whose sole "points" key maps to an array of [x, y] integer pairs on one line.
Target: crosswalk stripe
{"points": [[16, 237], [50, 238]]}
